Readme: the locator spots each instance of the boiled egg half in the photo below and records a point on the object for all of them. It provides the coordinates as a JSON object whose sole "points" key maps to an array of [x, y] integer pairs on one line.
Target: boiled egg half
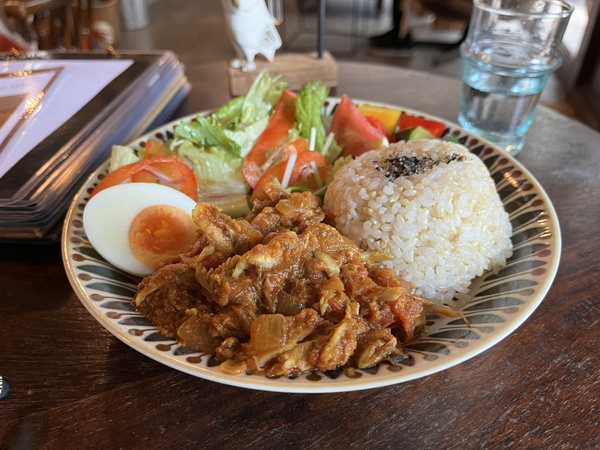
{"points": [[138, 226]]}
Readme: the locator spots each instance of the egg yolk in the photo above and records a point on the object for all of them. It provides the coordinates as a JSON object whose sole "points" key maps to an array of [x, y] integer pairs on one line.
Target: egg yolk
{"points": [[160, 232]]}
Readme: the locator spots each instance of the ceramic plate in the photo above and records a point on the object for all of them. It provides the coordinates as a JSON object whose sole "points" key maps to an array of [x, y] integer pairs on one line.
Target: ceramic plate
{"points": [[499, 303]]}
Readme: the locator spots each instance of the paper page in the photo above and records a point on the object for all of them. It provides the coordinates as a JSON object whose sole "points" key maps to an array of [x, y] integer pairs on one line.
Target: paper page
{"points": [[37, 97]]}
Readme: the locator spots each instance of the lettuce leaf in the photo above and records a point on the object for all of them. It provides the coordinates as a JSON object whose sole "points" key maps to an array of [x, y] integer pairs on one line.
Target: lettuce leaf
{"points": [[121, 155], [204, 133], [235, 126], [309, 111], [245, 138], [261, 98], [228, 116], [210, 163]]}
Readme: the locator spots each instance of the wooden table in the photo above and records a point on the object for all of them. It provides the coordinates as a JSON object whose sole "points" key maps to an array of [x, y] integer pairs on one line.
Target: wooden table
{"points": [[76, 386]]}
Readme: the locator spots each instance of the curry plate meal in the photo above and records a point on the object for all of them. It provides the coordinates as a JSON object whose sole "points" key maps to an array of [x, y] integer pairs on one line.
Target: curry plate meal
{"points": [[353, 227]]}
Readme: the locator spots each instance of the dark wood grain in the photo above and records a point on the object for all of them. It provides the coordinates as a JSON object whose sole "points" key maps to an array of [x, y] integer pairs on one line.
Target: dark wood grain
{"points": [[76, 386]]}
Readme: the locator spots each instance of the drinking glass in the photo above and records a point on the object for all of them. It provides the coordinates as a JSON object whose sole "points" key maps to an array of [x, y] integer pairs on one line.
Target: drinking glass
{"points": [[511, 49]]}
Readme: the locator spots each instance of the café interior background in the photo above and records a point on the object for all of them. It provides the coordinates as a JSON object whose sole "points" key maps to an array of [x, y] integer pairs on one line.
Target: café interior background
{"points": [[195, 31]]}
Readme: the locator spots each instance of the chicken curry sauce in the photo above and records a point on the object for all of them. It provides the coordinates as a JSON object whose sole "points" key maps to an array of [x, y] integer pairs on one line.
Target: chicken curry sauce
{"points": [[280, 292]]}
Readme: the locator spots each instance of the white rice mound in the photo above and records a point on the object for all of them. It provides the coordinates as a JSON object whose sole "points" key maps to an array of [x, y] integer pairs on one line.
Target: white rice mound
{"points": [[442, 225]]}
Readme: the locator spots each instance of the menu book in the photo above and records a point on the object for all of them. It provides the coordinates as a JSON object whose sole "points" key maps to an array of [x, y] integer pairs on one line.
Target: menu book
{"points": [[60, 114]]}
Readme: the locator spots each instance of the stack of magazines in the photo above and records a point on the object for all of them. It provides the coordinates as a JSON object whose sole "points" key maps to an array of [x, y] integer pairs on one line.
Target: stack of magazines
{"points": [[60, 114]]}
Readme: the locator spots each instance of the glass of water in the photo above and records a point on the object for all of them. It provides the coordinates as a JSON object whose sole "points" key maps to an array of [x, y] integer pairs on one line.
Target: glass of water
{"points": [[511, 49]]}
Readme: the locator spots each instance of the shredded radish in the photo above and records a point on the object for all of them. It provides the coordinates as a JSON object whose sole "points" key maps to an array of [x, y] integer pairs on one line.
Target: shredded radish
{"points": [[161, 175], [328, 142], [271, 159], [291, 162], [313, 138], [315, 169]]}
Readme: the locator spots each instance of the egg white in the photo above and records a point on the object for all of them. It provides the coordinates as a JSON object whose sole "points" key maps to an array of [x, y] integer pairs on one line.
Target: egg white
{"points": [[108, 216]]}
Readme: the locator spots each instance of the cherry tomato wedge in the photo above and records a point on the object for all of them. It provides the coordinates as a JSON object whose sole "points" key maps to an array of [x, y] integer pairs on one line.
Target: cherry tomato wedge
{"points": [[273, 137], [167, 170], [352, 130], [303, 162], [433, 126], [378, 124]]}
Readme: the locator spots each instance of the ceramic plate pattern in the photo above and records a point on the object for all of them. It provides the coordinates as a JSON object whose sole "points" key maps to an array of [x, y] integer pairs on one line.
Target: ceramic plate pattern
{"points": [[499, 304]]}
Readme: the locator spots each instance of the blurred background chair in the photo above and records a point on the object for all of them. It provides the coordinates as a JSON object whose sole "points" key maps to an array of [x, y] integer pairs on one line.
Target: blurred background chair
{"points": [[53, 24], [449, 15], [345, 19]]}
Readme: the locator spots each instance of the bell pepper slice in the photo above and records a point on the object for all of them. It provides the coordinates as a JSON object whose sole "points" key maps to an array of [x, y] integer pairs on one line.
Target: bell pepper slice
{"points": [[433, 126], [388, 116]]}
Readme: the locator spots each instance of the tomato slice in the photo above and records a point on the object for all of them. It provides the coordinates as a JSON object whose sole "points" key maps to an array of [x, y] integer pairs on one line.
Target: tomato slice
{"points": [[377, 123], [352, 130], [303, 162], [298, 145], [274, 136], [433, 126], [168, 170]]}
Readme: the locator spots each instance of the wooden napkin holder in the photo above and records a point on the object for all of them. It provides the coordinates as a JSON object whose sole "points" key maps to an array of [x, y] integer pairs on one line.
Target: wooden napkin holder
{"points": [[295, 68]]}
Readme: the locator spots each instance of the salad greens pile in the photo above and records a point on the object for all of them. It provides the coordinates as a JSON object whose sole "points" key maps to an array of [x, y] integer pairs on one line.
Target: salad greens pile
{"points": [[271, 134], [217, 144]]}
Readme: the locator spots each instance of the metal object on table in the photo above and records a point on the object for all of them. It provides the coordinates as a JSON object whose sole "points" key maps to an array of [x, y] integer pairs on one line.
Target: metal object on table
{"points": [[4, 387], [321, 38]]}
